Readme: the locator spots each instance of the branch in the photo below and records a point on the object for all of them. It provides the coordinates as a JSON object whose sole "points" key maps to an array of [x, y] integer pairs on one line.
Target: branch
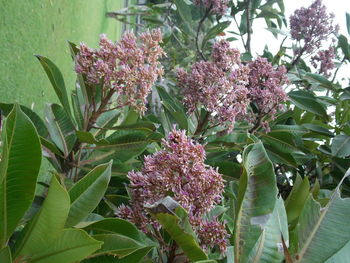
{"points": [[200, 52], [249, 27]]}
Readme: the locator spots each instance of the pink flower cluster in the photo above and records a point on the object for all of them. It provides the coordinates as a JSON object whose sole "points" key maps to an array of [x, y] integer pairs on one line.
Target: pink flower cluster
{"points": [[324, 60], [127, 67], [178, 171], [218, 85], [265, 88], [217, 6], [225, 87], [311, 26]]}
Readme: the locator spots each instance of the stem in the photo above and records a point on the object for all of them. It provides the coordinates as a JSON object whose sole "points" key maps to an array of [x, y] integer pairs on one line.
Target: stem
{"points": [[243, 42], [336, 71], [249, 27], [200, 52], [100, 110], [202, 124], [296, 60]]}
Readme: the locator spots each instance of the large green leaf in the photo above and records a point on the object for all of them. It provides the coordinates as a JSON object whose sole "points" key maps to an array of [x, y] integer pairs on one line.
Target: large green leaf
{"points": [[117, 226], [87, 193], [174, 220], [257, 198], [5, 255], [39, 124], [341, 146], [323, 231], [19, 167], [72, 246], [47, 225], [136, 257], [57, 81], [342, 256], [117, 245], [269, 248], [297, 198], [184, 11], [307, 101]]}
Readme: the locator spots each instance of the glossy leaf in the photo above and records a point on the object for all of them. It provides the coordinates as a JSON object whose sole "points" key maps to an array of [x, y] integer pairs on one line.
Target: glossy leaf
{"points": [[72, 246], [318, 226], [47, 225], [341, 146], [56, 79], [174, 220], [5, 255], [19, 167], [269, 248], [307, 101], [117, 245], [297, 198], [256, 199], [87, 193]]}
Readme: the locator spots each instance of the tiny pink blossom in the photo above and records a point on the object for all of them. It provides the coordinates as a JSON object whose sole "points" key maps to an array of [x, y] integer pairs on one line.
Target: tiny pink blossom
{"points": [[178, 171]]}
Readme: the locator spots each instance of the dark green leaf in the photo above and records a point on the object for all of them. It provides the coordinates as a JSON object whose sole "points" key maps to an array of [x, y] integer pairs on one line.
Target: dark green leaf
{"points": [[87, 193], [19, 167], [307, 101], [56, 79]]}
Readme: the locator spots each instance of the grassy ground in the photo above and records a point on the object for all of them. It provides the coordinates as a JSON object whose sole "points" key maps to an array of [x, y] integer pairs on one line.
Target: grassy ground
{"points": [[42, 27]]}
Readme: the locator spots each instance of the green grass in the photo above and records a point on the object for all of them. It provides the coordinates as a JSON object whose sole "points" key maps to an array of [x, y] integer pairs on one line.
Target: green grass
{"points": [[29, 27]]}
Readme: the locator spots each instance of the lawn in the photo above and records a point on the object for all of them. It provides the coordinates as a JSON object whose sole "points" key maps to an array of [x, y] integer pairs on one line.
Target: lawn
{"points": [[29, 27]]}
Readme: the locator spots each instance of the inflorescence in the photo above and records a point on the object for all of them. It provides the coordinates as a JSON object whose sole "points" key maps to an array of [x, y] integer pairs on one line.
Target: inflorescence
{"points": [[178, 171], [128, 68], [225, 87], [217, 6]]}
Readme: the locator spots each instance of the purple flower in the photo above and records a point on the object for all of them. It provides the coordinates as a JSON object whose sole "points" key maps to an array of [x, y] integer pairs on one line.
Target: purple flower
{"points": [[128, 67], [217, 6], [265, 89], [311, 26], [324, 60], [218, 85], [178, 171]]}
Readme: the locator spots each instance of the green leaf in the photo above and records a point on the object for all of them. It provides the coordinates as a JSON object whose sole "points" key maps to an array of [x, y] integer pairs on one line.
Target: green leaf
{"points": [[269, 248], [341, 146], [116, 226], [39, 124], [57, 81], [47, 225], [19, 167], [118, 245], [184, 11], [282, 143], [87, 193], [318, 79], [318, 226], [174, 220], [342, 255], [297, 198], [344, 45], [135, 257], [145, 126], [318, 129], [173, 107], [348, 22], [65, 124], [307, 101], [61, 128], [72, 246], [256, 199], [215, 31], [5, 255]]}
